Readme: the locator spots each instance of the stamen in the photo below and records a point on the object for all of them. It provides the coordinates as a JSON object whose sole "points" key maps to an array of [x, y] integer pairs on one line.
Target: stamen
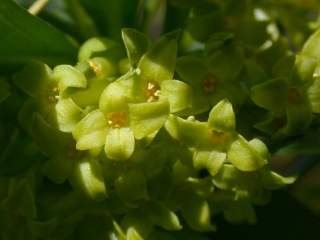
{"points": [[53, 95], [152, 92], [96, 67], [218, 138]]}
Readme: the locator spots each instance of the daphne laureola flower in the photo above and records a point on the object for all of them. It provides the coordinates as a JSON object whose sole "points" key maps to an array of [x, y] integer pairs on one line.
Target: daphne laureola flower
{"points": [[124, 132]]}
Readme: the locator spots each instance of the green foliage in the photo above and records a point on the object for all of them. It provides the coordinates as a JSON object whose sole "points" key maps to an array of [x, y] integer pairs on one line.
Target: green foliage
{"points": [[25, 37]]}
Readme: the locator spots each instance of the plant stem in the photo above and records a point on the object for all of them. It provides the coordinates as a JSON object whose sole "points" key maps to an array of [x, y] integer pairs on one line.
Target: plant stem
{"points": [[37, 6]]}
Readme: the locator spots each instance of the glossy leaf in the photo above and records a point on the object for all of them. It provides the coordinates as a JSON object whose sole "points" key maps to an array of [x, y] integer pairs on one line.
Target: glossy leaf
{"points": [[26, 37]]}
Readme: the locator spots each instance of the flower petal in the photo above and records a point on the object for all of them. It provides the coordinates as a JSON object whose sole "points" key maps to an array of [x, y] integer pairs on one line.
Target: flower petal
{"points": [[159, 62], [210, 160], [21, 198], [50, 140], [304, 67], [314, 91], [131, 186], [161, 216], [196, 212], [226, 62], [271, 95], [58, 168], [68, 114], [136, 225], [34, 78], [88, 178], [240, 212], [299, 117], [146, 118], [93, 46], [93, 140], [43, 229], [29, 107], [89, 96], [191, 69], [68, 76], [102, 67], [245, 155], [178, 93], [191, 133], [221, 117], [115, 96], [230, 178], [94, 121], [119, 143], [272, 180], [136, 44]]}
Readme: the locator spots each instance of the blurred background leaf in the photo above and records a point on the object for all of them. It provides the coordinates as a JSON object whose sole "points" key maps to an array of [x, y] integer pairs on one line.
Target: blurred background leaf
{"points": [[24, 37]]}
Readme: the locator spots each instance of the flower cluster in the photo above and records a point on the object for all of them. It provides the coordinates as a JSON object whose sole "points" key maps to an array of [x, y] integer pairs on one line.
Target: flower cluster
{"points": [[136, 149]]}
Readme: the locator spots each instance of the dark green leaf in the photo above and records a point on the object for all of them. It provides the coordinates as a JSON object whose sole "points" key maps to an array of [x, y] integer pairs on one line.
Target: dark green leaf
{"points": [[24, 37]]}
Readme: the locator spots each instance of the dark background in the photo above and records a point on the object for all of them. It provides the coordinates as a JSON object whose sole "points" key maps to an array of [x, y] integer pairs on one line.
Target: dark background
{"points": [[283, 218]]}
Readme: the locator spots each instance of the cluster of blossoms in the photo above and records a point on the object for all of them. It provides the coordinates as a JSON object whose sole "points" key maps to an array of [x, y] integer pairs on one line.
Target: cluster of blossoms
{"points": [[138, 152]]}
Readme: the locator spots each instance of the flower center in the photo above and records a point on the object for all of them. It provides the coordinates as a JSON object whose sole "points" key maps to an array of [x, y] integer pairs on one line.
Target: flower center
{"points": [[117, 119], [209, 83], [293, 95], [96, 67], [152, 92], [218, 138], [53, 95]]}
